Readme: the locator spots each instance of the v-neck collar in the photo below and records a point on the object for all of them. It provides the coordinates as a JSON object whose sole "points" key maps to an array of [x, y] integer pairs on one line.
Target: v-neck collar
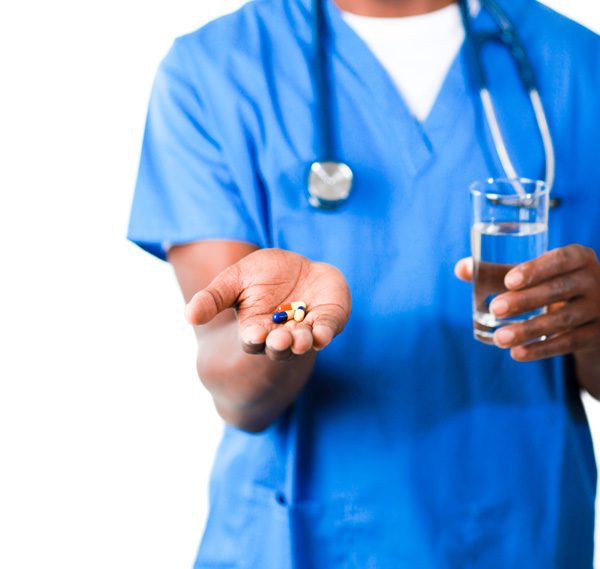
{"points": [[414, 147], [418, 141]]}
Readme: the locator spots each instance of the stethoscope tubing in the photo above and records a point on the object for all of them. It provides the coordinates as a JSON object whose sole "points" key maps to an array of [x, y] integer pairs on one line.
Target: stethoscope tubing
{"points": [[505, 35]]}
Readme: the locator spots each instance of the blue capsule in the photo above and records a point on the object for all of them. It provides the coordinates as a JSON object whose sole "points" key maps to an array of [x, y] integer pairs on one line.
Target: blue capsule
{"points": [[280, 317]]}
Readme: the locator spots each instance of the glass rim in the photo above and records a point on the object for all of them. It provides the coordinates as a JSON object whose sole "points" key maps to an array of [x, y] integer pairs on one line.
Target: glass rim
{"points": [[477, 188]]}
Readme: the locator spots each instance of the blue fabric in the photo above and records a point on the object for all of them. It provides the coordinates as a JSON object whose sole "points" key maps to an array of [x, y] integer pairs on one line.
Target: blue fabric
{"points": [[412, 445]]}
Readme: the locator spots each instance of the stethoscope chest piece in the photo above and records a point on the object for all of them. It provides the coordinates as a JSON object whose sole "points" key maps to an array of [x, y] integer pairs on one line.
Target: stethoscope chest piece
{"points": [[329, 184]]}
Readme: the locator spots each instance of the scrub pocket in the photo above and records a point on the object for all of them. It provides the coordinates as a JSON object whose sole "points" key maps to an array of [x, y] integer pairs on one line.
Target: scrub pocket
{"points": [[310, 535], [263, 531], [247, 531]]}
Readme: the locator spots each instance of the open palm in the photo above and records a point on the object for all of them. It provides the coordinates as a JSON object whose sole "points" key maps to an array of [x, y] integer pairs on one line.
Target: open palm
{"points": [[261, 281]]}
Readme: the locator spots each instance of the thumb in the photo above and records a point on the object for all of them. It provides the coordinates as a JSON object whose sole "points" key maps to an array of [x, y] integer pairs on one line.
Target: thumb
{"points": [[464, 269], [222, 293]]}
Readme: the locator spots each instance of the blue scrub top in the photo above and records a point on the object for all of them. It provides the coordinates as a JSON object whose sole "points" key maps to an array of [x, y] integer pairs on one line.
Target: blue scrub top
{"points": [[412, 445]]}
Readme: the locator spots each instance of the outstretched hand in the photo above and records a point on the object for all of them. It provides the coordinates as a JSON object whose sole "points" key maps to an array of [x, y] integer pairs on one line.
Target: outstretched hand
{"points": [[261, 281]]}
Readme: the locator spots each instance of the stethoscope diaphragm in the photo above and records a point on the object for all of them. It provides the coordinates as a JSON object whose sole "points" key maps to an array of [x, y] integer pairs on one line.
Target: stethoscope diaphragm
{"points": [[329, 184]]}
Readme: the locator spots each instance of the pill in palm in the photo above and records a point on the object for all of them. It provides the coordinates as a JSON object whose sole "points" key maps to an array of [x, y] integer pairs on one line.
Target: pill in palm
{"points": [[292, 310], [283, 316], [291, 306]]}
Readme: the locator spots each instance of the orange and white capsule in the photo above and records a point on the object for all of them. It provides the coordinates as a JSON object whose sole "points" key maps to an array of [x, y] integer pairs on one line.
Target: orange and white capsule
{"points": [[291, 306]]}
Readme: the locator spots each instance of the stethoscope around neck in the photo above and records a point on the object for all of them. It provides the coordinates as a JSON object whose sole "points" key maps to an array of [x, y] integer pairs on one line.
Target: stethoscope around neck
{"points": [[330, 181]]}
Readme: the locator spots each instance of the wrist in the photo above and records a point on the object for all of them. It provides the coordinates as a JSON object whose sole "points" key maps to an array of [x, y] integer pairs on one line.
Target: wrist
{"points": [[253, 402], [587, 369]]}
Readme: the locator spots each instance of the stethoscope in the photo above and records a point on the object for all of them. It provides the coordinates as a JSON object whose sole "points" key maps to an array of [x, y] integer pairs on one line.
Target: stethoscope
{"points": [[330, 182]]}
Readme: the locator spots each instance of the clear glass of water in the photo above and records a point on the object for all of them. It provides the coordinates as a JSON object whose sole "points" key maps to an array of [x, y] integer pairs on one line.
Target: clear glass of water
{"points": [[510, 226]]}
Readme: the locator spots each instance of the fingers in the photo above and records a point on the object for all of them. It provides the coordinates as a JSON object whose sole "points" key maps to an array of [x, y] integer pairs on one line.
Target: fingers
{"points": [[464, 269], [302, 340], [564, 287], [572, 315], [253, 339], [221, 293], [278, 345], [558, 345], [285, 342], [324, 328], [551, 264]]}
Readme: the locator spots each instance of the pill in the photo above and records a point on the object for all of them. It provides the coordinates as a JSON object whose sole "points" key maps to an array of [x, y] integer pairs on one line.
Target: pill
{"points": [[299, 314], [291, 306], [282, 316]]}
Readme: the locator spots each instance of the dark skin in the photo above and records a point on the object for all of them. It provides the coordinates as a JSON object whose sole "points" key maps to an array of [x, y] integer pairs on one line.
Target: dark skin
{"points": [[392, 8], [567, 280], [255, 369]]}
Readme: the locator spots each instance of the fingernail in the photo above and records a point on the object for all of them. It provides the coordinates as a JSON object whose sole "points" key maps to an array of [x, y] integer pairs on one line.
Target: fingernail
{"points": [[499, 307], [504, 337], [519, 352], [514, 278]]}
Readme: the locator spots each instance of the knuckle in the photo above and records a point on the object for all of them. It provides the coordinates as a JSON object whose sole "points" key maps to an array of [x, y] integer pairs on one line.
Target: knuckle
{"points": [[546, 348], [579, 249], [558, 287], [217, 297], [565, 319], [517, 302], [524, 332], [532, 329], [585, 281], [562, 255], [583, 253], [329, 322]]}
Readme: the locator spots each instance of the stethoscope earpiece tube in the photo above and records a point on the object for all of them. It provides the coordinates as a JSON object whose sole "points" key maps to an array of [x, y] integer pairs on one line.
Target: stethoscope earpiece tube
{"points": [[330, 182], [507, 36], [321, 79]]}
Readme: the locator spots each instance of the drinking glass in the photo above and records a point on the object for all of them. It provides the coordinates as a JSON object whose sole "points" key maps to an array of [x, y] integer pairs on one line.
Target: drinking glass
{"points": [[510, 226]]}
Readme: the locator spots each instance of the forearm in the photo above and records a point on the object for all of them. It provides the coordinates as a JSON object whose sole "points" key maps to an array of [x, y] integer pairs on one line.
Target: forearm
{"points": [[250, 391], [231, 289], [587, 369]]}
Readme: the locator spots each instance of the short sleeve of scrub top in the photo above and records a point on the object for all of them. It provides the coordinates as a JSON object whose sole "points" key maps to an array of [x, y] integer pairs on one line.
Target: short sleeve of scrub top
{"points": [[185, 191]]}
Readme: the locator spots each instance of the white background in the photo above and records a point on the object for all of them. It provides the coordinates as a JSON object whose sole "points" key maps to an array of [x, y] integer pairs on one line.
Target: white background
{"points": [[106, 436]]}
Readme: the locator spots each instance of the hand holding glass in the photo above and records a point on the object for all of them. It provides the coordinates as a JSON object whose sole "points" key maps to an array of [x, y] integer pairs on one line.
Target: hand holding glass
{"points": [[510, 226]]}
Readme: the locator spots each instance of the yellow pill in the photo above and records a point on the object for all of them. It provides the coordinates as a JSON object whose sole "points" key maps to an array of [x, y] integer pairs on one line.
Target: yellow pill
{"points": [[298, 304], [299, 315]]}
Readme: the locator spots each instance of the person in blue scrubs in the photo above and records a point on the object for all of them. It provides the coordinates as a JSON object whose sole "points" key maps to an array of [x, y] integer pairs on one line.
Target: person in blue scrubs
{"points": [[378, 433]]}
